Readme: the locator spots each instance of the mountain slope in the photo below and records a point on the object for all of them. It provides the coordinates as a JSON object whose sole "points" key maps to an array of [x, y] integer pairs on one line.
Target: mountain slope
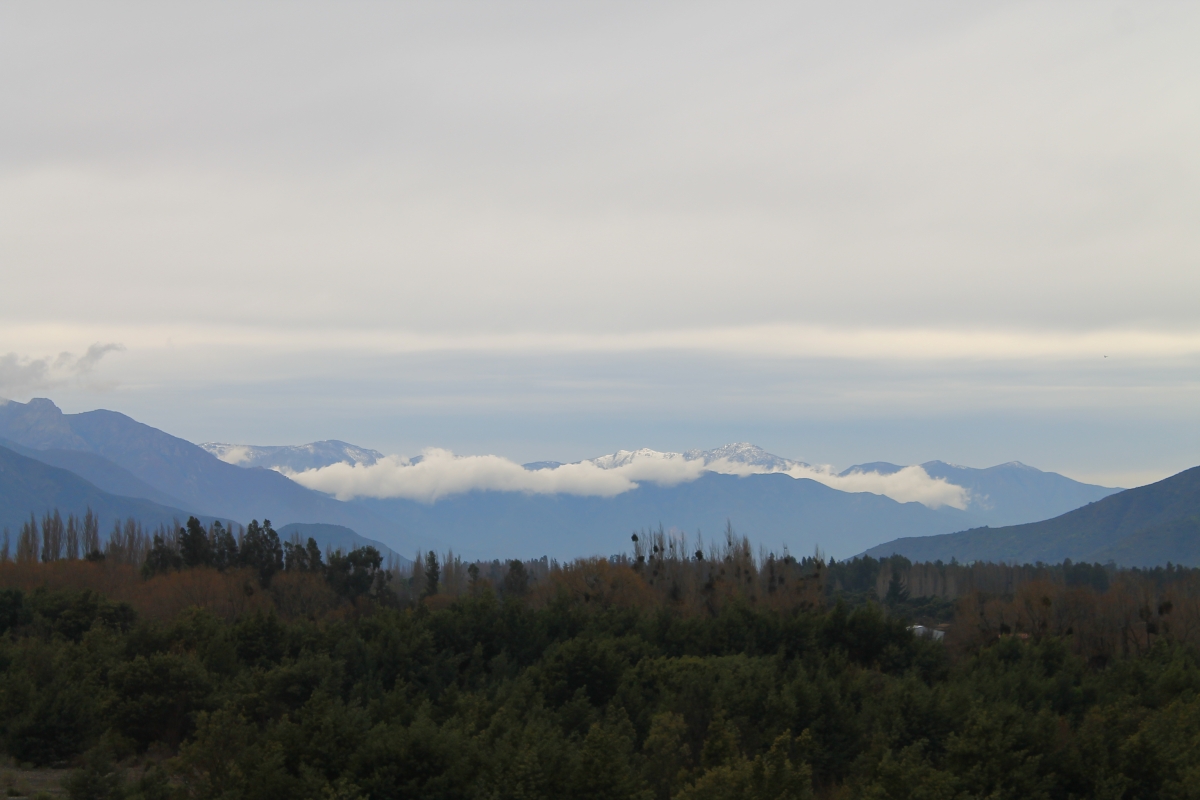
{"points": [[1155, 517], [1015, 493], [179, 468], [334, 537], [29, 486], [98, 470], [1177, 541]]}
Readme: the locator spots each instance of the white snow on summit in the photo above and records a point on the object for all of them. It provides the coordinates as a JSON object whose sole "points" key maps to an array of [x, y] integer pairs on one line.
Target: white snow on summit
{"points": [[293, 458], [741, 454]]}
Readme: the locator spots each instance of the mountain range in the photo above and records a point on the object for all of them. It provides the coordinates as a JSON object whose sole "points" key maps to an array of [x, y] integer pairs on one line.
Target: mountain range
{"points": [[1000, 495], [775, 508], [763, 495]]}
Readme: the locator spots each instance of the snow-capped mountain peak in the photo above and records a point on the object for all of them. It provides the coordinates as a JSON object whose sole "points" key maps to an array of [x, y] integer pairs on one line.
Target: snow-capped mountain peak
{"points": [[737, 454], [745, 453], [293, 458], [623, 458]]}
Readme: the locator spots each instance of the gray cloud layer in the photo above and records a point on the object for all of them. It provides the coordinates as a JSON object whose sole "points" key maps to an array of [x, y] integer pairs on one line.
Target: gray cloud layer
{"points": [[20, 375], [451, 167], [568, 228]]}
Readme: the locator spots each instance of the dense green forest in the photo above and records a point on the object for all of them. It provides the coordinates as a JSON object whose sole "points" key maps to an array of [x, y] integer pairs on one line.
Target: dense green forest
{"points": [[205, 664]]}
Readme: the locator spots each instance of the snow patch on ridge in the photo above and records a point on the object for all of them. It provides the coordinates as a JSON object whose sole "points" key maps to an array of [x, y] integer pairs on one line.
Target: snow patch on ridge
{"points": [[293, 458], [230, 453]]}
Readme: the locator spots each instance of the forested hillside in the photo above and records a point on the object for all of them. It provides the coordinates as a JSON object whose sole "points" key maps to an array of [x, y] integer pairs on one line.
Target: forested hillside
{"points": [[258, 668], [1151, 525]]}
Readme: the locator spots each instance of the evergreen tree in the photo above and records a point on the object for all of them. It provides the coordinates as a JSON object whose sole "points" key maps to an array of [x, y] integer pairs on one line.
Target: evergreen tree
{"points": [[224, 547], [194, 547], [302, 558], [516, 580], [433, 574], [162, 558], [897, 592], [262, 551], [314, 556], [356, 573]]}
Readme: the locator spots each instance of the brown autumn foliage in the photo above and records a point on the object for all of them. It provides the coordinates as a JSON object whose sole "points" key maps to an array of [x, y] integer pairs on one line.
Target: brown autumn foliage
{"points": [[118, 582], [1123, 612], [594, 581], [302, 595], [666, 572], [1128, 618], [227, 594]]}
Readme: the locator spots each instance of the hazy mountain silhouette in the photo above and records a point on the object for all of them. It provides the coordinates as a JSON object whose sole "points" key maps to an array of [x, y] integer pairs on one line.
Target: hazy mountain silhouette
{"points": [[1145, 526], [773, 509], [118, 452], [98, 470], [178, 468], [1006, 494], [29, 486], [335, 537]]}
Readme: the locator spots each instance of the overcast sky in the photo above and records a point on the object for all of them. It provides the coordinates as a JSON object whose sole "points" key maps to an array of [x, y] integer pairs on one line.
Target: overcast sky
{"points": [[844, 231]]}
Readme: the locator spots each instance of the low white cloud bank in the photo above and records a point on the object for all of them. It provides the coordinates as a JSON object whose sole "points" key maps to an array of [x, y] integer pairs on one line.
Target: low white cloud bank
{"points": [[908, 485], [440, 473]]}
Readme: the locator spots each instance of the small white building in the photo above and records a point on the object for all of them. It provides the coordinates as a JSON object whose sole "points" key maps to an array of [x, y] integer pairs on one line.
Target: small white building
{"points": [[927, 633]]}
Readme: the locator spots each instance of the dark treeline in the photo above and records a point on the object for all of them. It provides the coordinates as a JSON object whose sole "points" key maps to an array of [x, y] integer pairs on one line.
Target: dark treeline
{"points": [[259, 550], [676, 671], [1101, 612], [952, 580]]}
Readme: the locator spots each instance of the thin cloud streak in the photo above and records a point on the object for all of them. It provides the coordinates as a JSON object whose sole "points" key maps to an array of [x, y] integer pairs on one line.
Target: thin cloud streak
{"points": [[766, 341]]}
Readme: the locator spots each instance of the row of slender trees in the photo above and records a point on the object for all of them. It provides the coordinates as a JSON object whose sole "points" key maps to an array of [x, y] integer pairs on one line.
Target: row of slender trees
{"points": [[76, 538], [54, 539], [256, 547]]}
